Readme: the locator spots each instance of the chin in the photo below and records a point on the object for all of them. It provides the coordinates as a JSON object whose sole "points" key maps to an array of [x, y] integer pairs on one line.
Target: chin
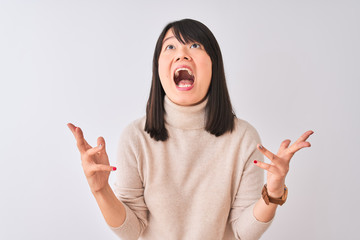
{"points": [[185, 101]]}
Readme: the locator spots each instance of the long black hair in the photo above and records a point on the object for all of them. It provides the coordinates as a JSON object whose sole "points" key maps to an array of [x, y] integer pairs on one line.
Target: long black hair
{"points": [[220, 115]]}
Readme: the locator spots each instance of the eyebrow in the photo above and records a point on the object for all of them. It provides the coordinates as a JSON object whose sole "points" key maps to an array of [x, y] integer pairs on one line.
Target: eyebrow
{"points": [[167, 39]]}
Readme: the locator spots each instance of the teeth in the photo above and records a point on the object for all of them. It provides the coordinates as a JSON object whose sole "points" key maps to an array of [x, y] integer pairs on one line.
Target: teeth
{"points": [[185, 85], [179, 69]]}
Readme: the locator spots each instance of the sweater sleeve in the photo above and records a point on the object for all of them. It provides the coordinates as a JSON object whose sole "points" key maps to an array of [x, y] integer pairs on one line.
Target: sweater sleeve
{"points": [[128, 187], [245, 226]]}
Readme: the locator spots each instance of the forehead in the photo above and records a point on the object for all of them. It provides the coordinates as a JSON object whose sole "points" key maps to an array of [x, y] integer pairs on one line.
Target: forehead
{"points": [[169, 35], [177, 36]]}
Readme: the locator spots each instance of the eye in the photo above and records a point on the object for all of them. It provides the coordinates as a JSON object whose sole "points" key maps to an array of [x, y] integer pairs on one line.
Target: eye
{"points": [[169, 47], [195, 45]]}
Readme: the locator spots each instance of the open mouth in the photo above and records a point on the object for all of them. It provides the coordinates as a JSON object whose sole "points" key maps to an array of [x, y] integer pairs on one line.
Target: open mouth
{"points": [[183, 78]]}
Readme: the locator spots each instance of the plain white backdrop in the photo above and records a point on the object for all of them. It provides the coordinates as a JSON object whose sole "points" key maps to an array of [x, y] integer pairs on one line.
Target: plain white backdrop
{"points": [[291, 66]]}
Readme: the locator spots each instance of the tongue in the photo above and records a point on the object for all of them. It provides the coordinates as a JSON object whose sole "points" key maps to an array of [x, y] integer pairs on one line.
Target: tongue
{"points": [[185, 82]]}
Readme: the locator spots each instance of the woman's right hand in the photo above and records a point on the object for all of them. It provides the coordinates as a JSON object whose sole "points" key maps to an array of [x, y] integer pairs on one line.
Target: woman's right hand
{"points": [[94, 160]]}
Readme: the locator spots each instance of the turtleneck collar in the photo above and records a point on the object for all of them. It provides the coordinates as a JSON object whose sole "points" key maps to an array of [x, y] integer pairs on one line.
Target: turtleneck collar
{"points": [[185, 117]]}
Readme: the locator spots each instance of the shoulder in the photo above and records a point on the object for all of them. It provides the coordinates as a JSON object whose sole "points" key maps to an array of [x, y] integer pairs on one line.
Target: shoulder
{"points": [[134, 130], [246, 130], [131, 136], [248, 138]]}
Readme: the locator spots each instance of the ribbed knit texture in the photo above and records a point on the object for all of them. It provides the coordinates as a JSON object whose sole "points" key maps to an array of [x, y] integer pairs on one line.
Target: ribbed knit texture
{"points": [[192, 186]]}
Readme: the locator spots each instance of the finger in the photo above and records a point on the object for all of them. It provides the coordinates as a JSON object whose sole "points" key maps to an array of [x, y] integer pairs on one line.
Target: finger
{"points": [[267, 153], [285, 144], [265, 166], [80, 141], [305, 136], [72, 128], [100, 168], [300, 143], [94, 150], [304, 144], [101, 141]]}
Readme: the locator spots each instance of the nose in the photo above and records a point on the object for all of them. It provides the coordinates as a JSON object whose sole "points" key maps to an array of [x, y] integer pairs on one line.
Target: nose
{"points": [[185, 58], [182, 54]]}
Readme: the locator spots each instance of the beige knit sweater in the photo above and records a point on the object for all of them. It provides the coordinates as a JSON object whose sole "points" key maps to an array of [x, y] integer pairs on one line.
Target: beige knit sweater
{"points": [[192, 186]]}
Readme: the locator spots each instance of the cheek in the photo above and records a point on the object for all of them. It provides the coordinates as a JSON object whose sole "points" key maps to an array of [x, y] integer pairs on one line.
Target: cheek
{"points": [[209, 71], [206, 64], [163, 67], [160, 68], [164, 73]]}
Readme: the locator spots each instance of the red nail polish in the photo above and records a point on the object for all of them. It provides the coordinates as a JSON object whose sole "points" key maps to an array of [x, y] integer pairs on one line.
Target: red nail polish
{"points": [[114, 168], [255, 161]]}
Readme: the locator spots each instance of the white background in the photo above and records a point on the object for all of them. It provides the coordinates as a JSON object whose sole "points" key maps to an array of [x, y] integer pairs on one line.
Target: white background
{"points": [[291, 66]]}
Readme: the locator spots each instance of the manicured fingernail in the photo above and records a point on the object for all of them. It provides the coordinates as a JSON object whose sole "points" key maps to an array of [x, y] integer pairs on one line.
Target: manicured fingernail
{"points": [[114, 168], [255, 161], [260, 146]]}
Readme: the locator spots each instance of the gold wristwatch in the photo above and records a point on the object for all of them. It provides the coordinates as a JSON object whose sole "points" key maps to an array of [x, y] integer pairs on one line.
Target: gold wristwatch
{"points": [[280, 201]]}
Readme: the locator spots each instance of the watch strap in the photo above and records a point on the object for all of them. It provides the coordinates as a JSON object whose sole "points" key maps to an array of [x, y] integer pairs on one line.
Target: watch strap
{"points": [[267, 199]]}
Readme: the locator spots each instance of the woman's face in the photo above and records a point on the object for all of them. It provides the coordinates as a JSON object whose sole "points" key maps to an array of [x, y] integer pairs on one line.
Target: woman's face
{"points": [[184, 70]]}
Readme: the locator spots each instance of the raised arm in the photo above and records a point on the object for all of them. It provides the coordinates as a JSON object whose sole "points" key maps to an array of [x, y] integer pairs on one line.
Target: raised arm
{"points": [[276, 174], [97, 169]]}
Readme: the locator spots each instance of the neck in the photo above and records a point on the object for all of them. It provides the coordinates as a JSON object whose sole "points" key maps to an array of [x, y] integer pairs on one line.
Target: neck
{"points": [[185, 117]]}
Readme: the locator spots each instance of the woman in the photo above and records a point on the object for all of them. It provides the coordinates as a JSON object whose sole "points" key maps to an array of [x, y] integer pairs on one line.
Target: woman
{"points": [[190, 169]]}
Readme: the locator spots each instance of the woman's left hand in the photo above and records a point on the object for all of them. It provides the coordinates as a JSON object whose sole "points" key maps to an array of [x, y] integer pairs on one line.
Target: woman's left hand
{"points": [[279, 166]]}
